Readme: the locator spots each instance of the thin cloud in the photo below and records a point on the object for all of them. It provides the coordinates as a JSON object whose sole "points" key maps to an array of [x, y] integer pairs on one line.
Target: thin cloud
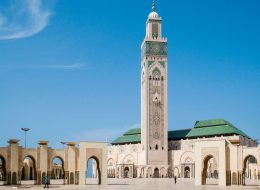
{"points": [[23, 19], [65, 67], [75, 66]]}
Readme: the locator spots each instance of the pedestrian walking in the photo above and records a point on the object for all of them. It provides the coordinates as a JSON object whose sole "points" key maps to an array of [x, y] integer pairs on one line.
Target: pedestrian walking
{"points": [[46, 182], [175, 179]]}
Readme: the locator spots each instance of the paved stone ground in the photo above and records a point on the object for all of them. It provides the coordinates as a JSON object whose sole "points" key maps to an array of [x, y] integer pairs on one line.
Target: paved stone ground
{"points": [[141, 184]]}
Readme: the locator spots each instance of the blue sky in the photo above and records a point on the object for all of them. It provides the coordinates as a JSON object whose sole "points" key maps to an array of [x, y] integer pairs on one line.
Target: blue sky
{"points": [[71, 71]]}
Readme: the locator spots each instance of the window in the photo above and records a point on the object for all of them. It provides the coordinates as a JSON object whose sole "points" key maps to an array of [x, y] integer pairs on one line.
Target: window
{"points": [[176, 146], [155, 30]]}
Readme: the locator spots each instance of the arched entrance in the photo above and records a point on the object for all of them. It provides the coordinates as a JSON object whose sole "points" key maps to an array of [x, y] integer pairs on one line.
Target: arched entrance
{"points": [[29, 174], [176, 172], [250, 170], [57, 171], [156, 173], [149, 172], [111, 173], [126, 172], [163, 173], [111, 168], [187, 172], [2, 171], [210, 171], [93, 173]]}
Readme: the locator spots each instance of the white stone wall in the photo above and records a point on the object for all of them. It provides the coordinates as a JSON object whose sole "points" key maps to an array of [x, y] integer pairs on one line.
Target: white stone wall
{"points": [[182, 153]]}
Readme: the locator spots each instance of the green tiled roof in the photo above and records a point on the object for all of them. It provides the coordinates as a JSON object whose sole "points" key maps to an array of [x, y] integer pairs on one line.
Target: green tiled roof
{"points": [[212, 122], [128, 139], [207, 128], [133, 132], [178, 134]]}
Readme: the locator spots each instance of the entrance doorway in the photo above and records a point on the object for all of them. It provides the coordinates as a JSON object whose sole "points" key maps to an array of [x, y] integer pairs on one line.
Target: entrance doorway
{"points": [[187, 172], [126, 172], [57, 172], [210, 171], [149, 173], [156, 173], [28, 171], [93, 174], [250, 171]]}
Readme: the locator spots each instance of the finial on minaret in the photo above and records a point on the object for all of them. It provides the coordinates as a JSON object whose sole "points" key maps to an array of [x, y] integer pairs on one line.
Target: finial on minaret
{"points": [[153, 6]]}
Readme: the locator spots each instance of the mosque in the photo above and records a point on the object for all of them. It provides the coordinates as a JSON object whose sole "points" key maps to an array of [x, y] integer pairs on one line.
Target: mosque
{"points": [[203, 152], [213, 151]]}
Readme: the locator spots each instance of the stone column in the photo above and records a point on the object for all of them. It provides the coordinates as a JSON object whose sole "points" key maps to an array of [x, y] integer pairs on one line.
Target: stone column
{"points": [[8, 177], [77, 178], [71, 162], [130, 175], [234, 178], [67, 178], [43, 160], [244, 178], [121, 172], [228, 173], [222, 165], [19, 177], [14, 157], [240, 178], [39, 177]]}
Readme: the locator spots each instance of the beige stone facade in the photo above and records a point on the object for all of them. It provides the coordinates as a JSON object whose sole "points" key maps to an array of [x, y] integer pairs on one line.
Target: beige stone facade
{"points": [[19, 164]]}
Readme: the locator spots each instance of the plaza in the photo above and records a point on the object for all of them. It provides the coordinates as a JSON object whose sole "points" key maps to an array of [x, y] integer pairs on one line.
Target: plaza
{"points": [[141, 184]]}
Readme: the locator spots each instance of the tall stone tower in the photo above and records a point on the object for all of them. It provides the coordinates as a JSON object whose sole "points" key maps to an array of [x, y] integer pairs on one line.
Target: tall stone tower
{"points": [[154, 96]]}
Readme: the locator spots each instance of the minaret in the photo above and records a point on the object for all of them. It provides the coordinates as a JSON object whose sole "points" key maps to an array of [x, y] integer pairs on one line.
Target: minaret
{"points": [[154, 96]]}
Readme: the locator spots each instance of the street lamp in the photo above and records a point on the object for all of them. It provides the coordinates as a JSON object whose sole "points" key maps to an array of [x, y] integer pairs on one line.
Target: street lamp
{"points": [[63, 143], [25, 131]]}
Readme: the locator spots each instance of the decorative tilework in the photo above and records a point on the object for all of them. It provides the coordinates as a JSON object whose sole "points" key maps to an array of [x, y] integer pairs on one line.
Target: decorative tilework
{"points": [[150, 63], [157, 70], [155, 48], [162, 63]]}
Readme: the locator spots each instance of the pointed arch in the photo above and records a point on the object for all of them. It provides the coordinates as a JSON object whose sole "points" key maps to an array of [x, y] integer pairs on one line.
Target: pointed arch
{"points": [[129, 159], [111, 162], [156, 71], [187, 157]]}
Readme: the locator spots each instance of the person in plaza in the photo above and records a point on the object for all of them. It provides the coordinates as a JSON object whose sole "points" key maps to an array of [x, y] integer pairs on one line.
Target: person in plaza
{"points": [[46, 182], [175, 179]]}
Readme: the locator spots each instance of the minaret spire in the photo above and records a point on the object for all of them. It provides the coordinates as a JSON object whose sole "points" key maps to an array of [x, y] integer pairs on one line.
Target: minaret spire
{"points": [[153, 6]]}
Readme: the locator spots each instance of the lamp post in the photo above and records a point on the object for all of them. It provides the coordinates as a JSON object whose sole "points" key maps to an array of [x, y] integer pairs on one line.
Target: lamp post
{"points": [[63, 143], [25, 131]]}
